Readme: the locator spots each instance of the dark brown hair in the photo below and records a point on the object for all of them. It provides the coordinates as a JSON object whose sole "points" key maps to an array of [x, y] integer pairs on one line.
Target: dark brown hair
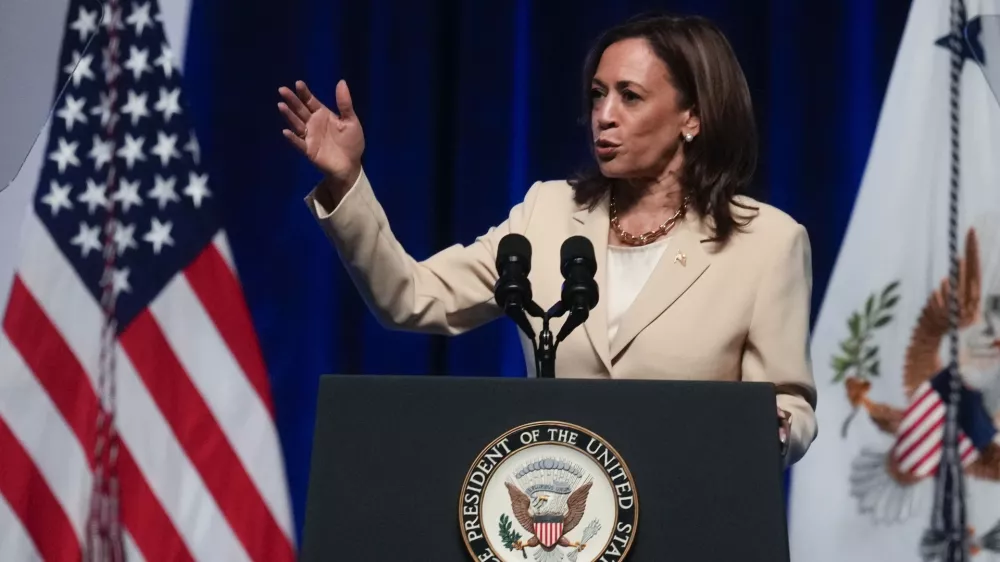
{"points": [[720, 162]]}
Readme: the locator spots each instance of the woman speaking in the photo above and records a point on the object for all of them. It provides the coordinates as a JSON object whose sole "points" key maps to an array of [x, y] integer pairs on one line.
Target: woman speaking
{"points": [[697, 280]]}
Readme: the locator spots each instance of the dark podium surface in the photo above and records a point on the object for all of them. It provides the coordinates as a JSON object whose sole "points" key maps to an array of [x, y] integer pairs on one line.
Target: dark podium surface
{"points": [[391, 455]]}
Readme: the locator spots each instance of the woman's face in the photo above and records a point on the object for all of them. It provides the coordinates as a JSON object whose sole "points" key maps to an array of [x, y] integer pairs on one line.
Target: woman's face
{"points": [[636, 122]]}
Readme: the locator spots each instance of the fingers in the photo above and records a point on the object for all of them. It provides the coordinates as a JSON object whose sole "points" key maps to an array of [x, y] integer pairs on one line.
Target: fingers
{"points": [[295, 104], [303, 103], [784, 417], [296, 140], [307, 97], [344, 103], [297, 125]]}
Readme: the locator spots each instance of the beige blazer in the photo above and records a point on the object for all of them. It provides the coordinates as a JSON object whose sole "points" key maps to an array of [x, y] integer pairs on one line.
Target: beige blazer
{"points": [[740, 312]]}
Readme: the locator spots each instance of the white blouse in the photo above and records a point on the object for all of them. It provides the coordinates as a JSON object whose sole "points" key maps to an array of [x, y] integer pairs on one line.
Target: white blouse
{"points": [[628, 269]]}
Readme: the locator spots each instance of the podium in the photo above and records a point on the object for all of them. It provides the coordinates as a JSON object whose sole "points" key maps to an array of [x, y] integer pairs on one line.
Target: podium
{"points": [[462, 468]]}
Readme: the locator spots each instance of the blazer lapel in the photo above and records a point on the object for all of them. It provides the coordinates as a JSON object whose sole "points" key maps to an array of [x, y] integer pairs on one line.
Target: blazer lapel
{"points": [[594, 225], [683, 262]]}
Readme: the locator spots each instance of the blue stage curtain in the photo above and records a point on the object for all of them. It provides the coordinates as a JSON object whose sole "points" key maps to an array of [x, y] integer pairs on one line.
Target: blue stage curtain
{"points": [[464, 104]]}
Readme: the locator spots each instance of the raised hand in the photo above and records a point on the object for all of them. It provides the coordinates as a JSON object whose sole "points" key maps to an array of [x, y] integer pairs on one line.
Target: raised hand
{"points": [[333, 143]]}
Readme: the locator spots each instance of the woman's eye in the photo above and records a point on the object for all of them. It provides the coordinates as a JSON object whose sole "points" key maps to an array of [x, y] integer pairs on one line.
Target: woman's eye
{"points": [[629, 95], [595, 93]]}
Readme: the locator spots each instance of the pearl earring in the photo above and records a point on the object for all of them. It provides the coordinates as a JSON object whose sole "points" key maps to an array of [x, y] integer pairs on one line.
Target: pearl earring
{"points": [[688, 137]]}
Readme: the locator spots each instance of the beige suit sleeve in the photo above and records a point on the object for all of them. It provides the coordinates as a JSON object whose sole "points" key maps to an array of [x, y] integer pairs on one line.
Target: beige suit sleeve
{"points": [[777, 349], [450, 293]]}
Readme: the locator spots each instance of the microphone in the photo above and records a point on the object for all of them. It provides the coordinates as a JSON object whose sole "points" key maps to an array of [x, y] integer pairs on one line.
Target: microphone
{"points": [[579, 292], [513, 289], [512, 292]]}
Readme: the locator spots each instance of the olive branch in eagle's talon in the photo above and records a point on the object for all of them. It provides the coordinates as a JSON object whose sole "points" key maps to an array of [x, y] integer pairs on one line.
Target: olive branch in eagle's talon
{"points": [[858, 360], [511, 538]]}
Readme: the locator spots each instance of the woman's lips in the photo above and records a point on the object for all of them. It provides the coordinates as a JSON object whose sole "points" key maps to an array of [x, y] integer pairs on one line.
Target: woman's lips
{"points": [[604, 147]]}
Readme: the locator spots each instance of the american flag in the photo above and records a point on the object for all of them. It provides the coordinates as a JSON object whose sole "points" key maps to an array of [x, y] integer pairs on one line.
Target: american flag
{"points": [[920, 437], [135, 407]]}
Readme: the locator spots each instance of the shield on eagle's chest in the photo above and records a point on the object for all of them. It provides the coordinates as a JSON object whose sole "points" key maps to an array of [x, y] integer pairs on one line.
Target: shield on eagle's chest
{"points": [[548, 531]]}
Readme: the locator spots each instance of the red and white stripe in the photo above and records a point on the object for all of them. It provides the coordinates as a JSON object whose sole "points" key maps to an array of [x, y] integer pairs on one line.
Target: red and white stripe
{"points": [[921, 434], [200, 464], [548, 533]]}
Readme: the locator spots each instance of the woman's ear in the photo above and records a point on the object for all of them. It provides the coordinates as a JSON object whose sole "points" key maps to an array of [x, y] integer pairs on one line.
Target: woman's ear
{"points": [[692, 124]]}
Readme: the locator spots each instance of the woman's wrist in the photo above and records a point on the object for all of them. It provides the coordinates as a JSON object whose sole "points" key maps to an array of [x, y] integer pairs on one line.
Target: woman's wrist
{"points": [[333, 188]]}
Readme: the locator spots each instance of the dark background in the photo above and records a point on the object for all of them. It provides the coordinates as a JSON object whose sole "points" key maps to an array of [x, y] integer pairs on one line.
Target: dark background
{"points": [[463, 105]]}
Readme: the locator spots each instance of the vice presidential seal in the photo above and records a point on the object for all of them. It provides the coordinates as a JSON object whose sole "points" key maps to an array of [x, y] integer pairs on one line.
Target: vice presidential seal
{"points": [[551, 491]]}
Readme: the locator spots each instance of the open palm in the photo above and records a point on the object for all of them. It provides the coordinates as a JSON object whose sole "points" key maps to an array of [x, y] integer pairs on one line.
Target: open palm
{"points": [[333, 143]]}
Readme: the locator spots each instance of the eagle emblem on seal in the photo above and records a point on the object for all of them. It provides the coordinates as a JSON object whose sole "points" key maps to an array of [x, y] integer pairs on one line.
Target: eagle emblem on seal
{"points": [[549, 498], [884, 482]]}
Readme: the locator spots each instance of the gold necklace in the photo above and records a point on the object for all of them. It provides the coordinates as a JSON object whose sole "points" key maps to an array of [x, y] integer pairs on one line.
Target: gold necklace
{"points": [[646, 237]]}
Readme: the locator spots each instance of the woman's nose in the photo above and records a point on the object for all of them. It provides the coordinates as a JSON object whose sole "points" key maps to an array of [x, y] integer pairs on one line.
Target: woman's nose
{"points": [[606, 115]]}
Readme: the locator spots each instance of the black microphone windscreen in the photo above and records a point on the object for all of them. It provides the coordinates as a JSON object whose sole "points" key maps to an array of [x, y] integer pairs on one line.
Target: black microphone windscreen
{"points": [[578, 248], [514, 246]]}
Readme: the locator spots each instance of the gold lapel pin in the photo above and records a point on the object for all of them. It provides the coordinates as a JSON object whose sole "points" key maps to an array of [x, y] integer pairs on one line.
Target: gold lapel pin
{"points": [[680, 258]]}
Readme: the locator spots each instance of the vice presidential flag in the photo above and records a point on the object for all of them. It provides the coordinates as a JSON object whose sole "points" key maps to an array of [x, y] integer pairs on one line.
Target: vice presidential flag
{"points": [[135, 409], [880, 348]]}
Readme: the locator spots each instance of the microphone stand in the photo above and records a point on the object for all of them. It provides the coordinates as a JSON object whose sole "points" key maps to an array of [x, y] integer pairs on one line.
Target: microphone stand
{"points": [[545, 357], [545, 349]]}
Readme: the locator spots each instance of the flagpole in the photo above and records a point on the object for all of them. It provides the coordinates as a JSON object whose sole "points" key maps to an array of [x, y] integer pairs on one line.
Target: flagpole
{"points": [[947, 539], [104, 541]]}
